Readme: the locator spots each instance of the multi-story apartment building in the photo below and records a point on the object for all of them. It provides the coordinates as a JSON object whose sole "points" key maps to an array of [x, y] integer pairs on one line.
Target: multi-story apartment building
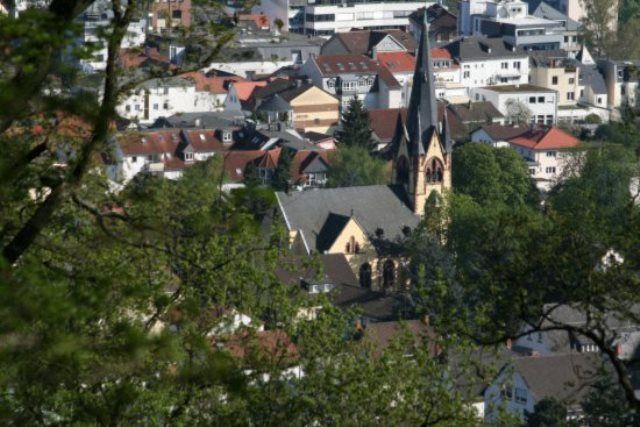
{"points": [[165, 15], [510, 20], [540, 102], [489, 61], [348, 76], [555, 71], [326, 17]]}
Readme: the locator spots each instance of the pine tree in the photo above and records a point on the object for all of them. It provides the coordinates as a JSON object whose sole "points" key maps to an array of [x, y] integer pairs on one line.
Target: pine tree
{"points": [[354, 126]]}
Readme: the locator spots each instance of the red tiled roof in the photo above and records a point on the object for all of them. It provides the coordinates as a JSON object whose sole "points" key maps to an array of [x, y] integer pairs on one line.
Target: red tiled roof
{"points": [[440, 53], [383, 122], [147, 143], [302, 159], [546, 139], [340, 64], [397, 62], [206, 140], [215, 84], [134, 58], [261, 21], [235, 162], [244, 89], [273, 345]]}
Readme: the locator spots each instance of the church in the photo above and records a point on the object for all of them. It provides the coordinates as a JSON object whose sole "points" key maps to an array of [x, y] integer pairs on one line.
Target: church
{"points": [[422, 147], [368, 224]]}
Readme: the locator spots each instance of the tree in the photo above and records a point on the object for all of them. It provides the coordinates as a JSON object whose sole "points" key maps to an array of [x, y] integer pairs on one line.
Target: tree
{"points": [[548, 412], [605, 406], [598, 26], [282, 176], [517, 112], [279, 24], [351, 166], [355, 130], [492, 175]]}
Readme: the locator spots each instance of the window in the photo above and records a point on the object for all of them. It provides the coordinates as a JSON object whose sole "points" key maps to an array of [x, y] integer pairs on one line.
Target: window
{"points": [[541, 100], [156, 107], [532, 100], [466, 74], [554, 80], [550, 169], [507, 392], [599, 101], [138, 107], [348, 85], [521, 395], [353, 247], [550, 119], [516, 65], [165, 105], [150, 157], [532, 171], [571, 96], [551, 153], [566, 39], [226, 136], [365, 275], [388, 274], [331, 83], [166, 91], [134, 159], [176, 14], [572, 80], [188, 156], [127, 108], [504, 65], [540, 337]]}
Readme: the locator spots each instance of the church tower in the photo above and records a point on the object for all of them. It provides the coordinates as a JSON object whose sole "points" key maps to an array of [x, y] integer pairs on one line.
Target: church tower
{"points": [[422, 146]]}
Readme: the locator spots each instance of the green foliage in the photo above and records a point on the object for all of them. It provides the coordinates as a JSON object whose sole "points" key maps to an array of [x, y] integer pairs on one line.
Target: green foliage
{"points": [[354, 126], [605, 406], [354, 166], [282, 176], [548, 412], [593, 119], [491, 175]]}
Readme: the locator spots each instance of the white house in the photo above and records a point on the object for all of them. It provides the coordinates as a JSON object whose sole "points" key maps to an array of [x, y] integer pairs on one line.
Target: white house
{"points": [[540, 102], [489, 61], [346, 76], [525, 381], [157, 98]]}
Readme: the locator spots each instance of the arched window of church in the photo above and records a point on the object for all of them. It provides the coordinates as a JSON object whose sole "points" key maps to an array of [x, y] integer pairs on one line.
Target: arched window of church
{"points": [[429, 175], [348, 249], [353, 247], [402, 171], [388, 274], [365, 275], [435, 171]]}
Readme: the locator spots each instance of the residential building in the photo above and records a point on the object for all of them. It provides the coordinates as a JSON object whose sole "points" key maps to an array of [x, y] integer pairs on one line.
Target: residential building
{"points": [[422, 148], [363, 223], [348, 76], [554, 70], [547, 153], [486, 62], [510, 20], [369, 42], [443, 25], [166, 152], [623, 333], [497, 135], [93, 21], [239, 95], [302, 106], [326, 17], [157, 98], [540, 102], [288, 47], [165, 15], [570, 43], [621, 78], [593, 87], [525, 381]]}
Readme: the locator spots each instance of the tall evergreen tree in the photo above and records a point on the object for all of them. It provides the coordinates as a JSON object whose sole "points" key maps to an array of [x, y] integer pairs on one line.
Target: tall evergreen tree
{"points": [[355, 129]]}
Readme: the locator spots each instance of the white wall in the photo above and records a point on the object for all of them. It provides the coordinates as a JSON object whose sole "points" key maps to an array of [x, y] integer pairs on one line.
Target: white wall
{"points": [[494, 400], [538, 109], [475, 74], [177, 99]]}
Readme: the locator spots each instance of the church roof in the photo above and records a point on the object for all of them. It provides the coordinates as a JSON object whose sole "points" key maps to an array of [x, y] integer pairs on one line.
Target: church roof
{"points": [[422, 114]]}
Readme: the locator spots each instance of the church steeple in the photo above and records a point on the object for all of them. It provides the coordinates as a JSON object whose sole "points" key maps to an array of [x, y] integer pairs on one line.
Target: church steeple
{"points": [[422, 114]]}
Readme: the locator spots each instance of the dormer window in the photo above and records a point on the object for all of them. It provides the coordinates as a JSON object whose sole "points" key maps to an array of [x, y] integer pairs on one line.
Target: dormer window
{"points": [[188, 156], [202, 138], [226, 136]]}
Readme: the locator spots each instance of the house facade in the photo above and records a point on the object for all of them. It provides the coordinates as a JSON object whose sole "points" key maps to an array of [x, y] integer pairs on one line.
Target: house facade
{"points": [[164, 15], [540, 102]]}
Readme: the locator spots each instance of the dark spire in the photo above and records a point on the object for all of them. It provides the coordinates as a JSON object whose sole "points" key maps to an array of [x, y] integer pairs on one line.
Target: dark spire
{"points": [[422, 114]]}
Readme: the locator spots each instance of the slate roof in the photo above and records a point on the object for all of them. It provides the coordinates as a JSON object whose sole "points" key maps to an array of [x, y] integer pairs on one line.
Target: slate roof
{"points": [[208, 120], [438, 18], [546, 11], [330, 65], [590, 76], [503, 133], [362, 42], [274, 103], [482, 48], [567, 377], [373, 207], [476, 112]]}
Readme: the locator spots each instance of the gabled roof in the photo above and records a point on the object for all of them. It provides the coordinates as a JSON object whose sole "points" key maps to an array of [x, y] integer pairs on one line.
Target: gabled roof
{"points": [[308, 161], [546, 139], [363, 41], [373, 207], [546, 11], [214, 84], [275, 103], [245, 89], [590, 77], [382, 334], [397, 62], [476, 112], [502, 132], [567, 377], [330, 65], [482, 48]]}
